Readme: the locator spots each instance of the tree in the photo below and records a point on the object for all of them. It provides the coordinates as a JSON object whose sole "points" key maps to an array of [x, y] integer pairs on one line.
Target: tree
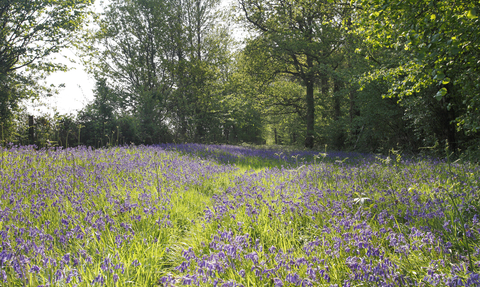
{"points": [[166, 59], [30, 32], [99, 118], [297, 38], [437, 47]]}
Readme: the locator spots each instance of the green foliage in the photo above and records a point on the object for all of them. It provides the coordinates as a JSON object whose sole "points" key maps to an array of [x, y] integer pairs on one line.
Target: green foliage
{"points": [[437, 50], [167, 62], [367, 75], [380, 124], [241, 117], [48, 130], [30, 33], [8, 104], [33, 30], [299, 39]]}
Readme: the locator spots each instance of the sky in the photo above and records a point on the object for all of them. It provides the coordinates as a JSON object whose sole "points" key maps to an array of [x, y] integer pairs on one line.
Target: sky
{"points": [[79, 85], [78, 90]]}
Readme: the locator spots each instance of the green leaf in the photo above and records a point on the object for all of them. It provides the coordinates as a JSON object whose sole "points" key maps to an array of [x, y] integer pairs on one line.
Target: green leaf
{"points": [[472, 14], [440, 94], [446, 81], [440, 76], [454, 50], [435, 38]]}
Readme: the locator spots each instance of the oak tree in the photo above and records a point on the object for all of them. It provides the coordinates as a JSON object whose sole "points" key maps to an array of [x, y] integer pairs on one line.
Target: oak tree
{"points": [[298, 38]]}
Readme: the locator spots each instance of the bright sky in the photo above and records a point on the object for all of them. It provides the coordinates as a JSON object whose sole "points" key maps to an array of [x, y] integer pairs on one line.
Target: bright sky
{"points": [[79, 85], [78, 90]]}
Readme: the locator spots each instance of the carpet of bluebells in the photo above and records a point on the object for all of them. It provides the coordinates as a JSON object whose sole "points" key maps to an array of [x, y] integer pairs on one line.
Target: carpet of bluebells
{"points": [[206, 215]]}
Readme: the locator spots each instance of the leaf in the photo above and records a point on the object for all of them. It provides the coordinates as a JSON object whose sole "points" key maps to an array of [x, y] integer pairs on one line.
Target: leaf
{"points": [[472, 14], [455, 50], [440, 76], [435, 38], [440, 94], [446, 81]]}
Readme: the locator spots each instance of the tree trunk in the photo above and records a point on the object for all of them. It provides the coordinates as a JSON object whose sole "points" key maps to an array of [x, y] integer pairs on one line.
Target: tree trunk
{"points": [[352, 95], [310, 115], [226, 132], [200, 134], [339, 137], [336, 101], [450, 129], [31, 130], [353, 111], [309, 99], [276, 138]]}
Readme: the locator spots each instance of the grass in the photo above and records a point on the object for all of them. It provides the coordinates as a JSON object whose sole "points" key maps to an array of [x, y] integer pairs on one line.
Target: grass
{"points": [[172, 215]]}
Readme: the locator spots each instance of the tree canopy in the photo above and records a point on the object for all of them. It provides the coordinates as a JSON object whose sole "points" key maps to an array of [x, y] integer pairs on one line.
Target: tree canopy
{"points": [[299, 38], [30, 32], [367, 75], [437, 51]]}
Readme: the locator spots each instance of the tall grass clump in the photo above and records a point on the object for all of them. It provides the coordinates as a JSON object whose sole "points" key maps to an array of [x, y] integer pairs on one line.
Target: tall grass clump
{"points": [[206, 215]]}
